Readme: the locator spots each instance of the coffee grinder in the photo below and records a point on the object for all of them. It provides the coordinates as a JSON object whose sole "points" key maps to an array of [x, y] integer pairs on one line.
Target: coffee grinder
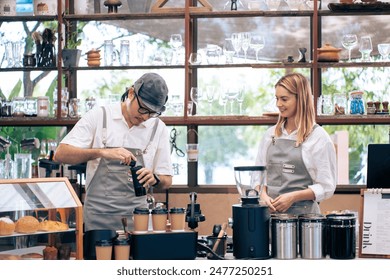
{"points": [[251, 219]]}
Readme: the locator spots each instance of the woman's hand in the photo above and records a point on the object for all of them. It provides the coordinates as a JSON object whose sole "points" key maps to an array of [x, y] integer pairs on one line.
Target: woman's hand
{"points": [[268, 201], [283, 202]]}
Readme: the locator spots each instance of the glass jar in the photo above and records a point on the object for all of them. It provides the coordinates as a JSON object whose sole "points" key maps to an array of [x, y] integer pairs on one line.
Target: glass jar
{"points": [[356, 103], [18, 107], [64, 109], [43, 106], [74, 108], [340, 104], [30, 107], [90, 102]]}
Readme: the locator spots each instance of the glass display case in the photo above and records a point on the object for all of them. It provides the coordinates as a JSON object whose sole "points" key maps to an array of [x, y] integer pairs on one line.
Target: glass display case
{"points": [[55, 214]]}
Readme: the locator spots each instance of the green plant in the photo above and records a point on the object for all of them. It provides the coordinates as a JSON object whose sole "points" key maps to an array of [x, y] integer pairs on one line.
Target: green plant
{"points": [[73, 36]]}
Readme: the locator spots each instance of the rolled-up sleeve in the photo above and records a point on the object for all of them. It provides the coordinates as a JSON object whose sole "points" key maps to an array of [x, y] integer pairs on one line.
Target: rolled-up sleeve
{"points": [[319, 156]]}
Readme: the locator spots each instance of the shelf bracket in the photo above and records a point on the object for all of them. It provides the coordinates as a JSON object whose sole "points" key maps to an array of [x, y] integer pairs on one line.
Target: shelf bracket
{"points": [[159, 7]]}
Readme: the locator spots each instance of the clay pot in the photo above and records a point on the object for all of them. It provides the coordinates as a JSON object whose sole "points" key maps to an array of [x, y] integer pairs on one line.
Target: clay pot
{"points": [[328, 53]]}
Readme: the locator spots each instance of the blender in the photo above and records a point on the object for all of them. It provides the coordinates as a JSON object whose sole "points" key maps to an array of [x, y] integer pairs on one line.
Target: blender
{"points": [[250, 220]]}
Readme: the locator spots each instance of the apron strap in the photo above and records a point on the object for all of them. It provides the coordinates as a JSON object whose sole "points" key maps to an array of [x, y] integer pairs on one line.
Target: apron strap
{"points": [[104, 131], [151, 136]]}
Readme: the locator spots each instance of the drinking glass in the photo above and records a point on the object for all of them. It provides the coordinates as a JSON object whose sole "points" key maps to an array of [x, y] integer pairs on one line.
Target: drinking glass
{"points": [[237, 42], [349, 41], [223, 99], [228, 50], [246, 39], [196, 96], [384, 50], [195, 59], [240, 99], [365, 48], [210, 90], [231, 95], [176, 42], [257, 43]]}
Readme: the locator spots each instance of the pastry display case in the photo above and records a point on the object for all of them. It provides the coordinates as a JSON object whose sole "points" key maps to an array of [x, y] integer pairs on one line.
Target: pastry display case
{"points": [[40, 214]]}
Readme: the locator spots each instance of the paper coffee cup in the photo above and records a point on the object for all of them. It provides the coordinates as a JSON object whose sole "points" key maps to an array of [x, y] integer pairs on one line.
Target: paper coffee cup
{"points": [[159, 219], [141, 220], [177, 217], [103, 249]]}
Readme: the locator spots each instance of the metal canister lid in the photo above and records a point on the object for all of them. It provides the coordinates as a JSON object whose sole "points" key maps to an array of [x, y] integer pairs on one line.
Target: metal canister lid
{"points": [[341, 221], [284, 218], [312, 218]]}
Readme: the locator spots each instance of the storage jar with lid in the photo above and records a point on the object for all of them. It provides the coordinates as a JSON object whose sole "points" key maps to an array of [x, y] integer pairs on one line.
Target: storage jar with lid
{"points": [[43, 106], [30, 107], [18, 107], [356, 103], [74, 108], [340, 104]]}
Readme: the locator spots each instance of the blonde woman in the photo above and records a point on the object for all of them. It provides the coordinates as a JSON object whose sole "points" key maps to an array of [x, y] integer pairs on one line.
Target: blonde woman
{"points": [[298, 153]]}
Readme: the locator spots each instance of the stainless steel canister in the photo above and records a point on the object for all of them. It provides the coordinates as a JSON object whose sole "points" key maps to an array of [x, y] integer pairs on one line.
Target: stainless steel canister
{"points": [[284, 236], [312, 236]]}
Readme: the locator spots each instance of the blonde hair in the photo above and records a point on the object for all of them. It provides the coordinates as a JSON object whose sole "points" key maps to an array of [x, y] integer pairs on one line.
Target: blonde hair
{"points": [[299, 85]]}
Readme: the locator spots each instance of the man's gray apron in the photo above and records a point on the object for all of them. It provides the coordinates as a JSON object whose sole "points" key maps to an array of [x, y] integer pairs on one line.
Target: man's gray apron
{"points": [[110, 195], [286, 172]]}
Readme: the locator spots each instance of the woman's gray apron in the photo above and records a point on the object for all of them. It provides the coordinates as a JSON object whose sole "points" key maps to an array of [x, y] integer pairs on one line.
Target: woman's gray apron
{"points": [[110, 195], [286, 172]]}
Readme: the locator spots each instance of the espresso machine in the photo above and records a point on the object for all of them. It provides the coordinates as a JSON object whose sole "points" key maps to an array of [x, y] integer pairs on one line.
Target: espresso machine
{"points": [[251, 219]]}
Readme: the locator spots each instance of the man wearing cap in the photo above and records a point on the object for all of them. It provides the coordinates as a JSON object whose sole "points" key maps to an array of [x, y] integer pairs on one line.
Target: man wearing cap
{"points": [[108, 138]]}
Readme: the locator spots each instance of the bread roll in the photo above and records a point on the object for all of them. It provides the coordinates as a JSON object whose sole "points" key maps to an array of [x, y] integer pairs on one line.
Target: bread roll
{"points": [[32, 256], [50, 253], [9, 257], [27, 224], [7, 226], [48, 225]]}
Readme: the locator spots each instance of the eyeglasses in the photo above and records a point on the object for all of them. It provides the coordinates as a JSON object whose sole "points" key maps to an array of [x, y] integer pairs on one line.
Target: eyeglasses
{"points": [[144, 111]]}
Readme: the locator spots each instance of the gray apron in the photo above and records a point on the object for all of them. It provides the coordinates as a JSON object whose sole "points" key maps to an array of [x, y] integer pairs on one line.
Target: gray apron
{"points": [[286, 172], [110, 195]]}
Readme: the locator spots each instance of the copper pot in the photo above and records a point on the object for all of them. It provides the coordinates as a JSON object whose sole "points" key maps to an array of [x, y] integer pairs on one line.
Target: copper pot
{"points": [[328, 53]]}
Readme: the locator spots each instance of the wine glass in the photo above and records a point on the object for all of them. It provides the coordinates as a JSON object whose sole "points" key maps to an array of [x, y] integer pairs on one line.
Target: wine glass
{"points": [[176, 42], [384, 50], [196, 96], [231, 95], [228, 50], [257, 43], [349, 41], [210, 90], [365, 48], [246, 39], [237, 42], [240, 99], [223, 99]]}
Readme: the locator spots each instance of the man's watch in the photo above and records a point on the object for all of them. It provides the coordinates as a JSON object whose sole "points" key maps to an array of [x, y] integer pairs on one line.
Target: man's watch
{"points": [[157, 180]]}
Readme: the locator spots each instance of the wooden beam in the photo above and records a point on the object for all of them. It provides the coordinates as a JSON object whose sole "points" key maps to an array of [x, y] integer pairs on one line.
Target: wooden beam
{"points": [[158, 7]]}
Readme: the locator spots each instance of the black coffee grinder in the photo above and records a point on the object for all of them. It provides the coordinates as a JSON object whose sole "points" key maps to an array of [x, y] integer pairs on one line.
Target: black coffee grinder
{"points": [[251, 219]]}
